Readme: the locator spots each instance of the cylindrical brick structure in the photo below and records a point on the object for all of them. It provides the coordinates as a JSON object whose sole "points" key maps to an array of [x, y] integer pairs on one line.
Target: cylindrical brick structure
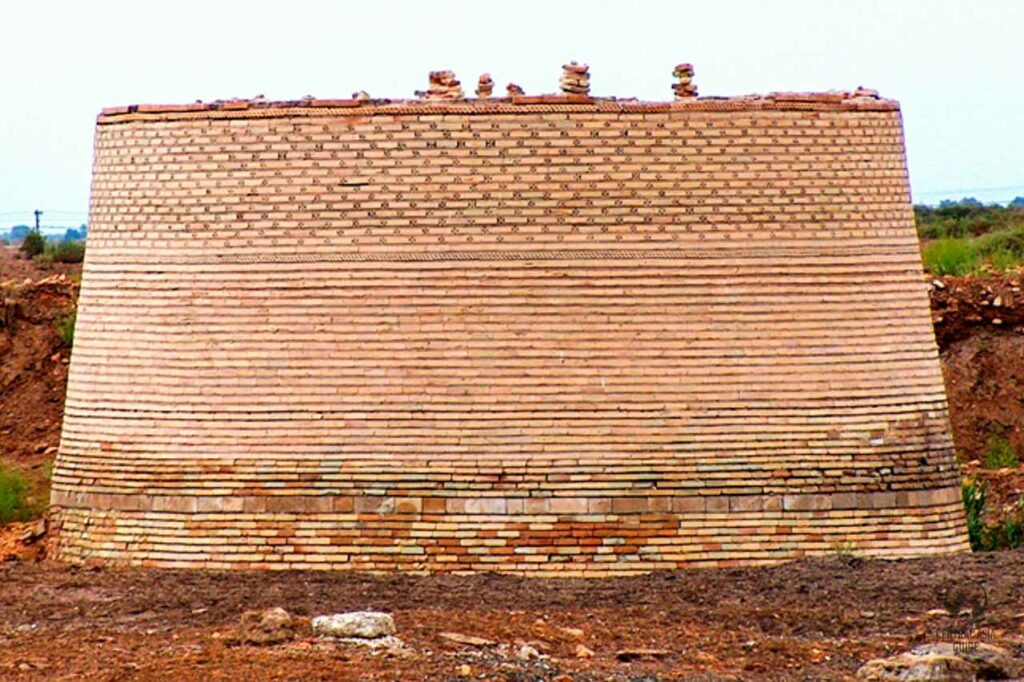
{"points": [[555, 335]]}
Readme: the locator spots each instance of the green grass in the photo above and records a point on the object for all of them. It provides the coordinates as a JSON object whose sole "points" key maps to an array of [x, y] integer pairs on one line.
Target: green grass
{"points": [[1004, 261], [985, 537], [973, 494], [66, 328], [999, 453], [15, 504], [950, 256]]}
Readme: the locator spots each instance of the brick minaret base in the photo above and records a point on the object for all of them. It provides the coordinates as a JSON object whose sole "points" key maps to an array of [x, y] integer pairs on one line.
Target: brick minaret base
{"points": [[556, 336]]}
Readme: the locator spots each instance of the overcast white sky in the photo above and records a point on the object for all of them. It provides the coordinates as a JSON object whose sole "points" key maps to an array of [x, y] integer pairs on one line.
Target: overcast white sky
{"points": [[957, 66]]}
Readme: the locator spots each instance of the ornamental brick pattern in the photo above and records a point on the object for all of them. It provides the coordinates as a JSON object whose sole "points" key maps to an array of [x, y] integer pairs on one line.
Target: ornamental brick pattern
{"points": [[547, 335]]}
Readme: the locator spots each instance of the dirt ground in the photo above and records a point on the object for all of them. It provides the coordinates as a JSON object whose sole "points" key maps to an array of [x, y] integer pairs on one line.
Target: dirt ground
{"points": [[812, 619]]}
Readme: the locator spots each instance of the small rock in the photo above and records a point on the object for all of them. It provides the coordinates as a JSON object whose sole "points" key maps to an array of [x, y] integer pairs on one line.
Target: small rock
{"points": [[867, 614], [583, 652], [990, 662], [52, 450], [468, 640], [937, 283], [41, 448], [270, 626], [937, 612], [465, 670], [573, 632], [911, 668], [33, 532], [527, 653], [364, 624]]}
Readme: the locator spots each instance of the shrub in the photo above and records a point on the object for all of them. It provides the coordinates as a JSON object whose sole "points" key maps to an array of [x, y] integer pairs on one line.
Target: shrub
{"points": [[1013, 526], [14, 502], [999, 453], [66, 251], [33, 244], [950, 256], [847, 552], [66, 328]]}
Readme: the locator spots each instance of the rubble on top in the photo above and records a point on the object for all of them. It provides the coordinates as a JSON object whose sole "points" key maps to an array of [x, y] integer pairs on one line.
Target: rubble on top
{"points": [[444, 87]]}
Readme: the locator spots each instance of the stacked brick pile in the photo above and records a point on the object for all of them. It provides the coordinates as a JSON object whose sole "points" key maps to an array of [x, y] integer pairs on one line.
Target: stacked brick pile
{"points": [[443, 86], [484, 86], [575, 79], [585, 339], [684, 87]]}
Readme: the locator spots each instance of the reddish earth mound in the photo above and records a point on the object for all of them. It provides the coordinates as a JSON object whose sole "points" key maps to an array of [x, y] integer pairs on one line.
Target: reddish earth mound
{"points": [[33, 374]]}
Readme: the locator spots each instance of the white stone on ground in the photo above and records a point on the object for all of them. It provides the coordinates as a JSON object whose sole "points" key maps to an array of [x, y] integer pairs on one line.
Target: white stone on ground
{"points": [[355, 624]]}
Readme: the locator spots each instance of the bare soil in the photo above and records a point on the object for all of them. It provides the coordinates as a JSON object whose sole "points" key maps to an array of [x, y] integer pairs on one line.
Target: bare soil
{"points": [[811, 619]]}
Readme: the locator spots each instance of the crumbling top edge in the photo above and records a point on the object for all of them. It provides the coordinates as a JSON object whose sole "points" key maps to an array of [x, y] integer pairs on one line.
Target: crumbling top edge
{"points": [[859, 100]]}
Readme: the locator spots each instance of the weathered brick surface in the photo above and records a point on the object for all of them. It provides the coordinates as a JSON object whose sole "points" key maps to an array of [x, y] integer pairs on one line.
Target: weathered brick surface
{"points": [[549, 335]]}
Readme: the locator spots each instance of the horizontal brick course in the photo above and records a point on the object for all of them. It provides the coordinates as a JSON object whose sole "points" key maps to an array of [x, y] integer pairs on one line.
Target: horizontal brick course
{"points": [[540, 335]]}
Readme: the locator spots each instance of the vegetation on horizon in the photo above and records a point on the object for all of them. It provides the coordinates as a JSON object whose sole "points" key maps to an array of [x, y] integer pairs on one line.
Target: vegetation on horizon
{"points": [[47, 251], [64, 251], [971, 238]]}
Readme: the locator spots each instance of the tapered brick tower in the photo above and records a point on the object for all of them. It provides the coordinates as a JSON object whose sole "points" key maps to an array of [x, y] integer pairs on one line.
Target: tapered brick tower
{"points": [[549, 335]]}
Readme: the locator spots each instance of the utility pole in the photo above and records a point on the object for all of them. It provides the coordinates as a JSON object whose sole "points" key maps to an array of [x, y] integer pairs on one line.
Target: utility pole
{"points": [[38, 214]]}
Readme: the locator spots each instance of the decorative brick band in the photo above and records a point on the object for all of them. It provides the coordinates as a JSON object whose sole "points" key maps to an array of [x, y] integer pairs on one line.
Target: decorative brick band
{"points": [[412, 506], [506, 535]]}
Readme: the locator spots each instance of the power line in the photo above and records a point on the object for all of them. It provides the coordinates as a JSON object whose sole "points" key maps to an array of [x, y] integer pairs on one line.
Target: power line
{"points": [[45, 210], [974, 189]]}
